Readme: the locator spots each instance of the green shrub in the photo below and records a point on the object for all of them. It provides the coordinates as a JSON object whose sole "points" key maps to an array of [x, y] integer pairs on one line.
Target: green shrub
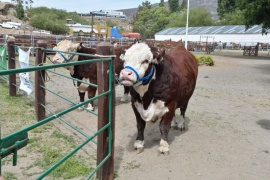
{"points": [[205, 60]]}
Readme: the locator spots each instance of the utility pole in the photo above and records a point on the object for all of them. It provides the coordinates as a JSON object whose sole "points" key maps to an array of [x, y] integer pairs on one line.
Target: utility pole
{"points": [[186, 39], [92, 24]]}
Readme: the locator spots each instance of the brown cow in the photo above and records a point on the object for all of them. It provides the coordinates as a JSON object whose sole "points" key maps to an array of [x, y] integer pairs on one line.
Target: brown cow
{"points": [[160, 82], [86, 72]]}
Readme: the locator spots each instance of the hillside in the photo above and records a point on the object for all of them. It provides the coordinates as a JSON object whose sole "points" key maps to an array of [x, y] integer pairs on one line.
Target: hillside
{"points": [[7, 12], [209, 5]]}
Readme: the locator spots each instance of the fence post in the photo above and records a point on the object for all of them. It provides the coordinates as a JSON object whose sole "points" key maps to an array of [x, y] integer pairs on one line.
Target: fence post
{"points": [[106, 171], [40, 81], [11, 65]]}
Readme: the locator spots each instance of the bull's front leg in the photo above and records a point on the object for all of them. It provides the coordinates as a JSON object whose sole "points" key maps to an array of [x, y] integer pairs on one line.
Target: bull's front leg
{"points": [[91, 94], [125, 96], [81, 95], [165, 125], [139, 143]]}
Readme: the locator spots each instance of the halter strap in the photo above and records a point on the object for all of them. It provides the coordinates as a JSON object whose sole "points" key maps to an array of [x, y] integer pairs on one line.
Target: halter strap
{"points": [[66, 60], [145, 79]]}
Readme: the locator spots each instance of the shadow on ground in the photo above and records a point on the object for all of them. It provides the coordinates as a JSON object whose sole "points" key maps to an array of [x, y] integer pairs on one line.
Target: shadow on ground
{"points": [[264, 123]]}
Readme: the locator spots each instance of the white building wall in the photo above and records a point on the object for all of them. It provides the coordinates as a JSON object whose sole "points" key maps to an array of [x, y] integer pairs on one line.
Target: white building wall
{"points": [[26, 4], [244, 39]]}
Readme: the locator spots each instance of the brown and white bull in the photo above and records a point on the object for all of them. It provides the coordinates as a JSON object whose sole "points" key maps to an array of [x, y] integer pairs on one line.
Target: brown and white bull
{"points": [[160, 82], [86, 72]]}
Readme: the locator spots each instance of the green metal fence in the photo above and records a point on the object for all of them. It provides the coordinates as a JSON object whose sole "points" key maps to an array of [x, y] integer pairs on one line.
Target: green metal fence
{"points": [[11, 143]]}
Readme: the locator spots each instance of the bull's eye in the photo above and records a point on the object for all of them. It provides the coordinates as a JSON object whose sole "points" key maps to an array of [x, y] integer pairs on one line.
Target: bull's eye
{"points": [[145, 62]]}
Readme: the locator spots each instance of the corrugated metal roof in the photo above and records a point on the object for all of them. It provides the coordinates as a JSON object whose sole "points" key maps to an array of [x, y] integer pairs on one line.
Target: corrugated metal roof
{"points": [[229, 29]]}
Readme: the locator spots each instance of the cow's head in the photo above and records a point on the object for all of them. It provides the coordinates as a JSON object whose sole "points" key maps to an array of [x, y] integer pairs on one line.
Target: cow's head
{"points": [[139, 62], [65, 46]]}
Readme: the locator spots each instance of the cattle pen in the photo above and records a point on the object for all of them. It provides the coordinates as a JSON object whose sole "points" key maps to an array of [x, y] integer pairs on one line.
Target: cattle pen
{"points": [[228, 126], [102, 133]]}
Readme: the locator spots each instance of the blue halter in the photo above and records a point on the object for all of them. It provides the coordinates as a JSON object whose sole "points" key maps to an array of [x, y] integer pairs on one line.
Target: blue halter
{"points": [[144, 79], [66, 60]]}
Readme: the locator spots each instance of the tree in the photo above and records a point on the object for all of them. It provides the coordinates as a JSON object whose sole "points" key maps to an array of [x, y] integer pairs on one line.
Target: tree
{"points": [[173, 5], [225, 6], [233, 18], [53, 20], [150, 21], [19, 11], [161, 4], [146, 4], [183, 5], [255, 12], [197, 17]]}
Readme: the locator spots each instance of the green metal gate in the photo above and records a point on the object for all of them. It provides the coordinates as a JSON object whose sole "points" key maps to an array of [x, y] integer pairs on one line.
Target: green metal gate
{"points": [[11, 143]]}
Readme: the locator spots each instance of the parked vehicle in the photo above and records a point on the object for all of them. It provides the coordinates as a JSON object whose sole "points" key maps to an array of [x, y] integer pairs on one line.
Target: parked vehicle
{"points": [[15, 24], [8, 26], [41, 32]]}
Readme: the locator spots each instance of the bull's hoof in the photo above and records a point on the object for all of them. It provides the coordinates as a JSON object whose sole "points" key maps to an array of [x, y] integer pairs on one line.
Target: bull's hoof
{"points": [[80, 109], [182, 127], [138, 146], [90, 107], [124, 99], [139, 150], [163, 153], [164, 147]]}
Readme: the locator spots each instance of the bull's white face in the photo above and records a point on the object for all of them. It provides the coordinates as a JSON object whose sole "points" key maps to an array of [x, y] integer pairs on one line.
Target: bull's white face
{"points": [[67, 46], [138, 57]]}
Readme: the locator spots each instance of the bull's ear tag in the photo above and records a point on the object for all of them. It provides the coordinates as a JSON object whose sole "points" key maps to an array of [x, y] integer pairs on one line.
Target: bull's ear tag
{"points": [[122, 57]]}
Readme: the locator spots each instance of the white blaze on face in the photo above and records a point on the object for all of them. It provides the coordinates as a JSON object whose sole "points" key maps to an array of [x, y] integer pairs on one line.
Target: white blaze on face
{"points": [[138, 57], [66, 46], [153, 112]]}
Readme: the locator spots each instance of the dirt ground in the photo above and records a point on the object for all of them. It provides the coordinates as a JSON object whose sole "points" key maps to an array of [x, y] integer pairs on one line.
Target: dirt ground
{"points": [[228, 120]]}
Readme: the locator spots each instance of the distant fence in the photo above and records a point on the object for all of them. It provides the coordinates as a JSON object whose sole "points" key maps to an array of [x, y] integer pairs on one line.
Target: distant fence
{"points": [[11, 143], [31, 40]]}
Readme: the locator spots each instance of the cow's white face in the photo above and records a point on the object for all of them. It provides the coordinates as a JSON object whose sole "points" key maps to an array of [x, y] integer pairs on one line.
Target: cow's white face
{"points": [[66, 46], [137, 59]]}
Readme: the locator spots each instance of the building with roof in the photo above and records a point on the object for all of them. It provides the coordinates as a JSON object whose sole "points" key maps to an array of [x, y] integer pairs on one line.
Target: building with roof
{"points": [[108, 13], [27, 4], [229, 33], [81, 30], [99, 31]]}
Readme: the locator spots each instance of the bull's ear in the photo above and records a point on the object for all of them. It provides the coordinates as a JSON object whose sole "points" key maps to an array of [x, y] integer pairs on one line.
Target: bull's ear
{"points": [[79, 46], [158, 56]]}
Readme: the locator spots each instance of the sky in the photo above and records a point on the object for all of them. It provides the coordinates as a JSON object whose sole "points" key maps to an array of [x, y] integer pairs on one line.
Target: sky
{"points": [[86, 6]]}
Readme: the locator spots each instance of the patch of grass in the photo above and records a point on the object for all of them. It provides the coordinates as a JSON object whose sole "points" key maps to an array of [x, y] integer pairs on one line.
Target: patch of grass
{"points": [[16, 111], [115, 175], [9, 175], [46, 144], [75, 166], [132, 165], [69, 140], [41, 129], [7, 160]]}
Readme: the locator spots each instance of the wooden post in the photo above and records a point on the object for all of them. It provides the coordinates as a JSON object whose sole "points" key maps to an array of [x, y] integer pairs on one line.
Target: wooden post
{"points": [[11, 65], [106, 171], [39, 81], [256, 49]]}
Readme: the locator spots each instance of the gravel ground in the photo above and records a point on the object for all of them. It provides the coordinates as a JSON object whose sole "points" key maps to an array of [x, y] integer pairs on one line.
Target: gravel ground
{"points": [[228, 120]]}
